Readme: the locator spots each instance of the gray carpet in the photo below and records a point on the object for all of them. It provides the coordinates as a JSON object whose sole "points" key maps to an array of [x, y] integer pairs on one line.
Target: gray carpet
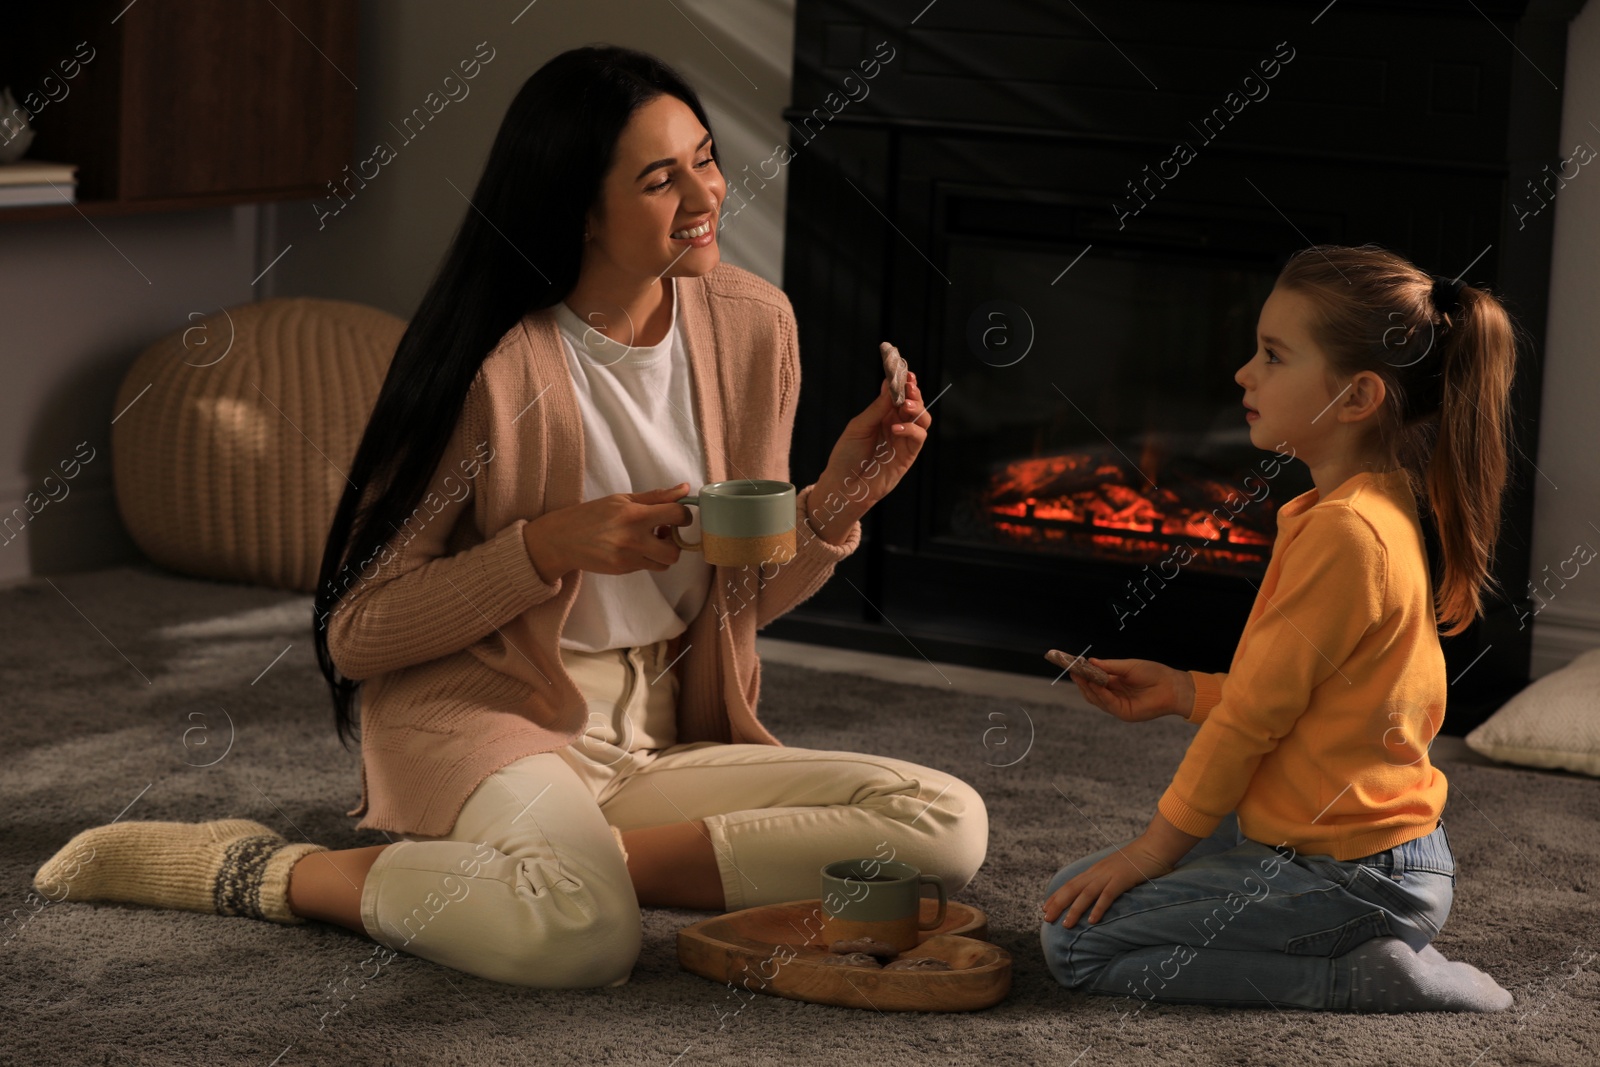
{"points": [[121, 685]]}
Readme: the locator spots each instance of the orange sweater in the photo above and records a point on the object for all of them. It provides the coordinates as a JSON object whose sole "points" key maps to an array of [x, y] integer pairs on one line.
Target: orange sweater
{"points": [[1318, 733]]}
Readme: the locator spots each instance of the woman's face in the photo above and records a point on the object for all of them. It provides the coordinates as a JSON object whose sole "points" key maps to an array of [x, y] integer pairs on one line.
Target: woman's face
{"points": [[662, 183]]}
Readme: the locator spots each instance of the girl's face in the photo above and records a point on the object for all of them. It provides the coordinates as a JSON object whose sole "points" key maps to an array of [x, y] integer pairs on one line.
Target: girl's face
{"points": [[659, 203], [1286, 381]]}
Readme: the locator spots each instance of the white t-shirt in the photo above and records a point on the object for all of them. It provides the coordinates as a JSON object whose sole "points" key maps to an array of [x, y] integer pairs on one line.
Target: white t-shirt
{"points": [[639, 433]]}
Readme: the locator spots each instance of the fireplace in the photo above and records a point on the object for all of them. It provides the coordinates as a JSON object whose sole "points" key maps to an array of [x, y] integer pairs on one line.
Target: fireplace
{"points": [[1087, 504], [1073, 261], [1076, 424]]}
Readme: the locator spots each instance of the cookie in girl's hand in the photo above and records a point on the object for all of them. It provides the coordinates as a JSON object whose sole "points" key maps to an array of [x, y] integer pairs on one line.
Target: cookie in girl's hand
{"points": [[1080, 667], [894, 369]]}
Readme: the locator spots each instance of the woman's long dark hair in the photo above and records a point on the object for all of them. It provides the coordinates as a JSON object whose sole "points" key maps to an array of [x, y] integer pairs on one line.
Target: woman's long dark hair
{"points": [[518, 250]]}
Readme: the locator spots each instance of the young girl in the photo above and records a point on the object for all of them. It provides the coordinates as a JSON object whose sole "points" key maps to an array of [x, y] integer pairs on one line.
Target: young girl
{"points": [[558, 711], [1297, 858]]}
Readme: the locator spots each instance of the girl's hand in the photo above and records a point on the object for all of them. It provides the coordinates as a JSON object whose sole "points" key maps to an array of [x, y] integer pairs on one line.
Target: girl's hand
{"points": [[1139, 689], [608, 535], [880, 429], [1095, 889]]}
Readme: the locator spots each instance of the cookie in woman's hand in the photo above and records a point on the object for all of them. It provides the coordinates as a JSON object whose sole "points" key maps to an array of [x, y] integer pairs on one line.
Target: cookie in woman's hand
{"points": [[894, 369], [1080, 667]]}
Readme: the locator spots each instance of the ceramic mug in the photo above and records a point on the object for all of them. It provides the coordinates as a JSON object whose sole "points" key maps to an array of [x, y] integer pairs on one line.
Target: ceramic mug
{"points": [[744, 520], [881, 899]]}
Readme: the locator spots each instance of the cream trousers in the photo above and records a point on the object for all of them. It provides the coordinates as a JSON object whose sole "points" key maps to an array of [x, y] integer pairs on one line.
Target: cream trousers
{"points": [[531, 888]]}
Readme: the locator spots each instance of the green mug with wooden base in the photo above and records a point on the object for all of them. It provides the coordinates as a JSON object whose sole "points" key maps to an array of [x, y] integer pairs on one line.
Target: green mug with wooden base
{"points": [[743, 521], [880, 899]]}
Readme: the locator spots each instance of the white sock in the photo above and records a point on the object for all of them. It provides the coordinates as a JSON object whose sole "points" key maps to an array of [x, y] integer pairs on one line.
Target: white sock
{"points": [[1388, 976], [1429, 954]]}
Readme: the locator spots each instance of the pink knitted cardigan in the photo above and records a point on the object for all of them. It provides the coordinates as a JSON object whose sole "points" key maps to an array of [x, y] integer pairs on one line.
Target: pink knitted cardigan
{"points": [[453, 632]]}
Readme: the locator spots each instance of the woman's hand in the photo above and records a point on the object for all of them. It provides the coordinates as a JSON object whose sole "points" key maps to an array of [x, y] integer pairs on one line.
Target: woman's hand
{"points": [[608, 535], [1093, 890], [883, 440], [1139, 689]]}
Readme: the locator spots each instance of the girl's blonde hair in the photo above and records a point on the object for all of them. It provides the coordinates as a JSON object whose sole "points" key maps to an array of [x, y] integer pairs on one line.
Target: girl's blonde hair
{"points": [[1447, 415]]}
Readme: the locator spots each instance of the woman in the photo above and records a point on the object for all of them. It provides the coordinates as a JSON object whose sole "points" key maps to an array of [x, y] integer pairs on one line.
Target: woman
{"points": [[558, 717]]}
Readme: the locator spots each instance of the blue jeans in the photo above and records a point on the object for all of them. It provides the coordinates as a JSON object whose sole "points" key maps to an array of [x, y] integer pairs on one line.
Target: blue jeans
{"points": [[1239, 923]]}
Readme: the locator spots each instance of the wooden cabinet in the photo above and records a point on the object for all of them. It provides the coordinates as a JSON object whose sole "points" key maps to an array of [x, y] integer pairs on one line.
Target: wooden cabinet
{"points": [[178, 104]]}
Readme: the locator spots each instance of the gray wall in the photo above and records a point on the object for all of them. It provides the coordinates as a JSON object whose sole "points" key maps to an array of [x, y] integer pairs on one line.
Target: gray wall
{"points": [[79, 300], [382, 247], [1567, 498], [77, 304]]}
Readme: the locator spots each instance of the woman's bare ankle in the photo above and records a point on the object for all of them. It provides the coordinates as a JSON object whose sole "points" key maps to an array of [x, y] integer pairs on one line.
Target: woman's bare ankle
{"points": [[327, 886]]}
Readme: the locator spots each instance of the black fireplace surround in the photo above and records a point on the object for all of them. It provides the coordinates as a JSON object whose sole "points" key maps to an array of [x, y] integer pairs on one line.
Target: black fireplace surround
{"points": [[1067, 217]]}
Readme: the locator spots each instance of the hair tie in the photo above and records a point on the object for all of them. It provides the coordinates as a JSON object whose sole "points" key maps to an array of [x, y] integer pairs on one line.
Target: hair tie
{"points": [[1446, 294], [1424, 393]]}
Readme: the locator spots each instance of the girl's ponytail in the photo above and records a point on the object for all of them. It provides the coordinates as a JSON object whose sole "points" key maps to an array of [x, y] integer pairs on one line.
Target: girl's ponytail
{"points": [[1467, 471]]}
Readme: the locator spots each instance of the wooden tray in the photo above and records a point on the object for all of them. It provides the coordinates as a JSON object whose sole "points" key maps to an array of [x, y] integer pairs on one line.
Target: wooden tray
{"points": [[776, 950]]}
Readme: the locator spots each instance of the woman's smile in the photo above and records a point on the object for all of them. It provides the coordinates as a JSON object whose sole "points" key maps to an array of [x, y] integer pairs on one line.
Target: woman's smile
{"points": [[697, 235]]}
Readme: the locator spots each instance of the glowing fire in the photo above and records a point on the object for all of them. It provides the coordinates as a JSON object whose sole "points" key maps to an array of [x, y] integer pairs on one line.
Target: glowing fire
{"points": [[1085, 501]]}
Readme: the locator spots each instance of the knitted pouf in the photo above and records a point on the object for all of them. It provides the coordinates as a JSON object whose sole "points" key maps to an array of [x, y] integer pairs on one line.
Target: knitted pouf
{"points": [[233, 436]]}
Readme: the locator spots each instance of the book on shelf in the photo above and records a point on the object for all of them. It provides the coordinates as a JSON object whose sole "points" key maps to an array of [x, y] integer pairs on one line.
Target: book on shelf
{"points": [[33, 181]]}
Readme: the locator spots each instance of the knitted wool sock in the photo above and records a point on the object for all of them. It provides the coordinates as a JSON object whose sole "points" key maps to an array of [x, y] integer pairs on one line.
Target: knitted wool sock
{"points": [[1387, 975], [228, 866]]}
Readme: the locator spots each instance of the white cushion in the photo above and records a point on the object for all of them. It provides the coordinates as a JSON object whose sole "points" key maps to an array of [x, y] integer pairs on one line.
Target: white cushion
{"points": [[1555, 722]]}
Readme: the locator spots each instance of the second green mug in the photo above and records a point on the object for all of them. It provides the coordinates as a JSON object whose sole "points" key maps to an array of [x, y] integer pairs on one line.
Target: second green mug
{"points": [[880, 899]]}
